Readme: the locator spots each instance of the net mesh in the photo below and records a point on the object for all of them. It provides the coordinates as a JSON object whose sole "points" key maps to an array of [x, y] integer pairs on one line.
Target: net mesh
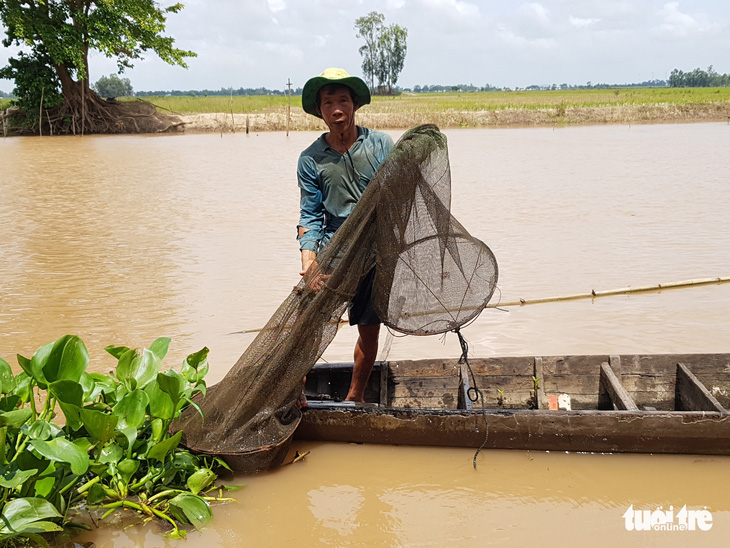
{"points": [[431, 277]]}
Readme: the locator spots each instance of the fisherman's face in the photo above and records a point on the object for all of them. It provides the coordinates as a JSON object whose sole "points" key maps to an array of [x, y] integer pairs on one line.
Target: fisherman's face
{"points": [[337, 108]]}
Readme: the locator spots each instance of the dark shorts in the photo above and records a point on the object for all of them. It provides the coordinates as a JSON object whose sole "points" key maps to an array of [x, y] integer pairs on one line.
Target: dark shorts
{"points": [[360, 310]]}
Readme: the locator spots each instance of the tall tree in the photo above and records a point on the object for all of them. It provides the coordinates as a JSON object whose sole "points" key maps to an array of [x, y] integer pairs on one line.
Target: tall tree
{"points": [[369, 28], [60, 34], [384, 51]]}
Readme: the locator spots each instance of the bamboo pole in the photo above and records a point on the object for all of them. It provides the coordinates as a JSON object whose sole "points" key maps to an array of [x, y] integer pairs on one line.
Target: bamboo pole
{"points": [[611, 292], [592, 295], [40, 115]]}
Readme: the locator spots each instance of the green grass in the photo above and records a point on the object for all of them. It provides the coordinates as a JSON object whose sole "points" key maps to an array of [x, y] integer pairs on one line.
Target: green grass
{"points": [[4, 103], [461, 101], [242, 104]]}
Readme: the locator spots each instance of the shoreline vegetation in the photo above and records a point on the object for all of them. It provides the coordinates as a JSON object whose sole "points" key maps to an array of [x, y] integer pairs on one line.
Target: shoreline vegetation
{"points": [[452, 109]]}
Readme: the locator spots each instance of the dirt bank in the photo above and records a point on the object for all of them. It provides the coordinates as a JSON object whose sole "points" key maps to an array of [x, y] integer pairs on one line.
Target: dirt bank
{"points": [[275, 119]]}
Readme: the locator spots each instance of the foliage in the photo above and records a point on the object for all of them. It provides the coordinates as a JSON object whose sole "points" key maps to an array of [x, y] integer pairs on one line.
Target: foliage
{"points": [[113, 86], [698, 78], [60, 34], [384, 51], [369, 28], [114, 450], [34, 79]]}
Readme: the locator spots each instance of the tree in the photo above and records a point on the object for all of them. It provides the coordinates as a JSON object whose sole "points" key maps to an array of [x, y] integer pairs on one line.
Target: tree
{"points": [[113, 86], [369, 28], [60, 34], [384, 51]]}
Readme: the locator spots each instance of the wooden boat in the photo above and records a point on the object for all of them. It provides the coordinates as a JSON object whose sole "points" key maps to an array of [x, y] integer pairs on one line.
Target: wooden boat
{"points": [[668, 403]]}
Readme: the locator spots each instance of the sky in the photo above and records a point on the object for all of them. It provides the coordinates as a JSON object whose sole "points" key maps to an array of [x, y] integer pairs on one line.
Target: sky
{"points": [[265, 43]]}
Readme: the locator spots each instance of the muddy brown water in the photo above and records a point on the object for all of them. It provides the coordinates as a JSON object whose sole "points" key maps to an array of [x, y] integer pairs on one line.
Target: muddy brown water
{"points": [[124, 239]]}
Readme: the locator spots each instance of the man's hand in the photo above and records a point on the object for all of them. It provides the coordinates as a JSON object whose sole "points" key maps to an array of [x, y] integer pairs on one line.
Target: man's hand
{"points": [[310, 270], [308, 258]]}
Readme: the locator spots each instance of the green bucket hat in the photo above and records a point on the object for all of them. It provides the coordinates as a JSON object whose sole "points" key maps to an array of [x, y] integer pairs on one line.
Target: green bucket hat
{"points": [[333, 76]]}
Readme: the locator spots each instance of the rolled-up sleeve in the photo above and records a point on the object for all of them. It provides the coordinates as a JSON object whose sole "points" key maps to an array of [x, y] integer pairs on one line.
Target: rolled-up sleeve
{"points": [[311, 215]]}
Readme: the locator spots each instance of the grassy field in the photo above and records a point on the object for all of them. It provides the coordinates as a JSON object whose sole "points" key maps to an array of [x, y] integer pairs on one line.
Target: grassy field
{"points": [[439, 102], [4, 103], [462, 109]]}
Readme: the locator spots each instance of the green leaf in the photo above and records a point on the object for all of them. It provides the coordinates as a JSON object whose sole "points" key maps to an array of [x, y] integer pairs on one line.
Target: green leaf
{"points": [[174, 384], [193, 508], [68, 391], [37, 363], [15, 419], [160, 450], [89, 387], [25, 365], [191, 366], [26, 515], [99, 425], [161, 405], [95, 495], [62, 450], [201, 480], [140, 365], [23, 386], [11, 477], [132, 409], [67, 359], [40, 430], [7, 379], [116, 351], [44, 486], [128, 468], [130, 434], [102, 382], [111, 453], [160, 347], [9, 403]]}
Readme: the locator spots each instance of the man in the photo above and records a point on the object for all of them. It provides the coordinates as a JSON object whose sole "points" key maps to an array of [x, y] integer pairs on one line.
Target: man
{"points": [[333, 173]]}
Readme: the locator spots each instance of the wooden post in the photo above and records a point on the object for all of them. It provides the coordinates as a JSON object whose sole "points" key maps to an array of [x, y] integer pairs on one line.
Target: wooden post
{"points": [[233, 121], [83, 107], [40, 115], [288, 107], [246, 124]]}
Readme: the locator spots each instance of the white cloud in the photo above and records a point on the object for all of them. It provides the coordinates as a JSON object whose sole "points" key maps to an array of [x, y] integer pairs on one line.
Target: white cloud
{"points": [[676, 23], [581, 22]]}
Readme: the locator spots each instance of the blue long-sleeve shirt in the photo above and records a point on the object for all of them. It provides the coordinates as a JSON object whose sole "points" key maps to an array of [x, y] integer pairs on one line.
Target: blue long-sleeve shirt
{"points": [[331, 183]]}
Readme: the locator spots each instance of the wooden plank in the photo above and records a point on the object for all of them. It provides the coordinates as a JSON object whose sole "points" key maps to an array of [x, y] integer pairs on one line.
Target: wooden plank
{"points": [[597, 431], [692, 395], [617, 394]]}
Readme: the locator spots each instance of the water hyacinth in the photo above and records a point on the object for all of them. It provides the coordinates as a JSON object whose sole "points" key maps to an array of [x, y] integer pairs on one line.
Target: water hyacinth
{"points": [[112, 451]]}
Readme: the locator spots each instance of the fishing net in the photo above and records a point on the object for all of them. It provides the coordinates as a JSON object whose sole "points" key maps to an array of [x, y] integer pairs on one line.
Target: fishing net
{"points": [[431, 277]]}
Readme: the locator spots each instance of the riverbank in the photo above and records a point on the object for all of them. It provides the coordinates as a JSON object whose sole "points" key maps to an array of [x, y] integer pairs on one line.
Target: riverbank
{"points": [[463, 110], [223, 114], [276, 119]]}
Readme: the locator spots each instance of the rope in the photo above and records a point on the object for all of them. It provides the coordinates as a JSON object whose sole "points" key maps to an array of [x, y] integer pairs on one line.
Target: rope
{"points": [[474, 393]]}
